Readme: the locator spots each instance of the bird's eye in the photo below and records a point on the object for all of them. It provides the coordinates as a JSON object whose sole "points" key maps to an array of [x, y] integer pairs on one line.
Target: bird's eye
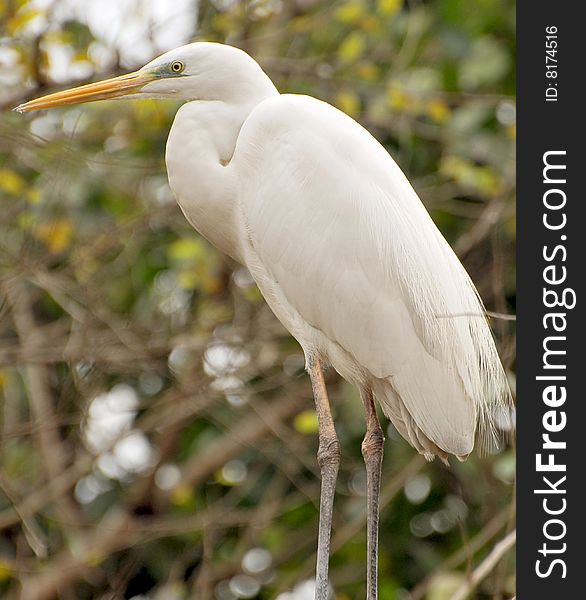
{"points": [[177, 66]]}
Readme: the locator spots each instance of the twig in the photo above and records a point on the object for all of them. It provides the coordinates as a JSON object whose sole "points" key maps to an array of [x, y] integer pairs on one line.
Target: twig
{"points": [[50, 492], [114, 533], [39, 394], [353, 527], [250, 429], [477, 542], [486, 566]]}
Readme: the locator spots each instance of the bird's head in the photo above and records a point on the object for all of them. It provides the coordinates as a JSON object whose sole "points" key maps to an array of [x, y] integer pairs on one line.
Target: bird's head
{"points": [[198, 71]]}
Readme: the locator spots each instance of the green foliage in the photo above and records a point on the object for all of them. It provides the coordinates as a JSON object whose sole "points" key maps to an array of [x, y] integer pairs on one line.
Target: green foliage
{"points": [[104, 284]]}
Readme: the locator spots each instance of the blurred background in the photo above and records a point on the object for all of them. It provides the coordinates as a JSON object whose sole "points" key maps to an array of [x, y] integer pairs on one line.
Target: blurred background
{"points": [[157, 431]]}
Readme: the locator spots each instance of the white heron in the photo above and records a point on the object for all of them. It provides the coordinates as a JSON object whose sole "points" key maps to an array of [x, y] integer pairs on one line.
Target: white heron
{"points": [[342, 249]]}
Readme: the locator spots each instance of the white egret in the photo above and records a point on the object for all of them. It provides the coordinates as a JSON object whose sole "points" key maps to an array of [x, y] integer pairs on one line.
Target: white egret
{"points": [[342, 249]]}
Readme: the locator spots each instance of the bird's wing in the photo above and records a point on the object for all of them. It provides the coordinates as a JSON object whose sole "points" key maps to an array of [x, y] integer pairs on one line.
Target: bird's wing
{"points": [[338, 228]]}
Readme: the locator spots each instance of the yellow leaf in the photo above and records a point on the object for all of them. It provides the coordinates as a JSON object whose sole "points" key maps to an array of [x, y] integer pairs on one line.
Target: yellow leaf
{"points": [[398, 99], [188, 280], [306, 422], [183, 496], [469, 175], [94, 558], [349, 12], [19, 21], [56, 235], [348, 102], [5, 571], [389, 7], [33, 195], [11, 182], [252, 294], [185, 249], [370, 24], [367, 71], [352, 47], [222, 22], [301, 24], [438, 110], [488, 181]]}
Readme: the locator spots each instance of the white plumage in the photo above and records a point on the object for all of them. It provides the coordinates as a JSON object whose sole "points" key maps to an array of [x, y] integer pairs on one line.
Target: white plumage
{"points": [[346, 256], [353, 265], [342, 249]]}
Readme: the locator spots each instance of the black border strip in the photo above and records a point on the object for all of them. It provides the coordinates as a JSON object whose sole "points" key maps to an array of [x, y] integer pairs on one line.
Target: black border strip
{"points": [[548, 125]]}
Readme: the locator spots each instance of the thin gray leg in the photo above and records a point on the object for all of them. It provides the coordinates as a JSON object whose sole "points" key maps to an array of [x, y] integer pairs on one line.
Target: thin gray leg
{"points": [[328, 458], [372, 451]]}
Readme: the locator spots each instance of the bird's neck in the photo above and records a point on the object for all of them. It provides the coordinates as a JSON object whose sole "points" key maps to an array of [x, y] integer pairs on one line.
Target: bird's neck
{"points": [[199, 153]]}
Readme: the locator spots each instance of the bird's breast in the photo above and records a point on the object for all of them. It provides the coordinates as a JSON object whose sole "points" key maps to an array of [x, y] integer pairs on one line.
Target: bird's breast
{"points": [[204, 188]]}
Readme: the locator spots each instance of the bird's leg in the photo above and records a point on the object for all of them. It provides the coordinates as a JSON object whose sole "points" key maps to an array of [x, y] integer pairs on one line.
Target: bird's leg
{"points": [[328, 458], [372, 451]]}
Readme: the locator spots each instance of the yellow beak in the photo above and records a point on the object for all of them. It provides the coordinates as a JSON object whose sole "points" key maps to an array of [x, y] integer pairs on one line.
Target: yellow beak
{"points": [[102, 90]]}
